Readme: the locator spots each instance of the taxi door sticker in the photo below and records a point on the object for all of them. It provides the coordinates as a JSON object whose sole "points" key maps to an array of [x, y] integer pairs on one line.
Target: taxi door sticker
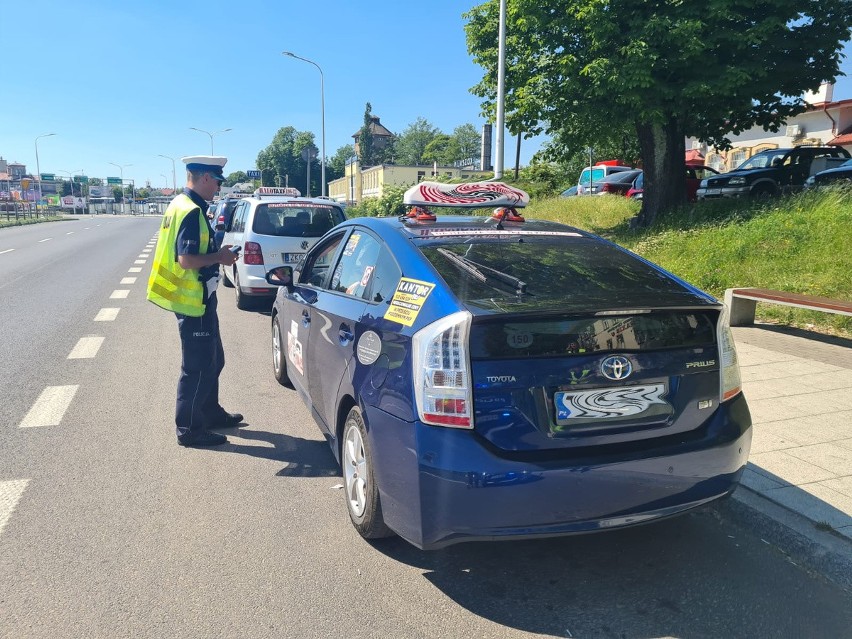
{"points": [[349, 249], [408, 300]]}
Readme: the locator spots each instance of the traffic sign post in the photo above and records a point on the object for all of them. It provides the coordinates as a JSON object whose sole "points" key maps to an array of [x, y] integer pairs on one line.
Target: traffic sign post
{"points": [[114, 180], [81, 179], [48, 177], [253, 174]]}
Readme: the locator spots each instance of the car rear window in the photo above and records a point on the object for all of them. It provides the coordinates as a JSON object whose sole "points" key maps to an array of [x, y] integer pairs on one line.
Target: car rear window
{"points": [[285, 219], [553, 274]]}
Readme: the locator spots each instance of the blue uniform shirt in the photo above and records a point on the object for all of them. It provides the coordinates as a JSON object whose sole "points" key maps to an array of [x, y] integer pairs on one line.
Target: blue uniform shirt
{"points": [[189, 238]]}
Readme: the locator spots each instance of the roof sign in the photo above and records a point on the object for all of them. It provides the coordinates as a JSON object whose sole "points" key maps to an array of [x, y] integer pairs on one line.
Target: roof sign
{"points": [[467, 195], [277, 190]]}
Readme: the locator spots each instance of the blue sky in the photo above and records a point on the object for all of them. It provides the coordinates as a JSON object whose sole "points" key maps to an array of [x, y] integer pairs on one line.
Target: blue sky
{"points": [[123, 82]]}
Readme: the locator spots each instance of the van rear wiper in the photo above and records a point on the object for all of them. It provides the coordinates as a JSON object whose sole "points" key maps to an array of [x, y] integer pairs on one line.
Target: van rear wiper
{"points": [[475, 269]]}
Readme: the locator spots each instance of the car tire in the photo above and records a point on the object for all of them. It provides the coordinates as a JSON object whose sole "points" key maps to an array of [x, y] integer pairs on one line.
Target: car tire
{"points": [[226, 282], [242, 300], [359, 485], [762, 192], [279, 353]]}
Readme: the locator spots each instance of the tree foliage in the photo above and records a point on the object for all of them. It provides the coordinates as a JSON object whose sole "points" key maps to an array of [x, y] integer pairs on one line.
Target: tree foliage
{"points": [[411, 143], [668, 69], [283, 157], [235, 178]]}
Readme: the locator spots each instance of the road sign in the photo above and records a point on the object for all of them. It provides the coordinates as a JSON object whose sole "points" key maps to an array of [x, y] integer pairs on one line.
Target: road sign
{"points": [[253, 175], [113, 180], [48, 177], [81, 179]]}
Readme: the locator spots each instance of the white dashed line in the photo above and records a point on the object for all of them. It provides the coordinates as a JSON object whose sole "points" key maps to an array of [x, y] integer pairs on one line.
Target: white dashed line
{"points": [[144, 256], [85, 228], [134, 269], [139, 261], [10, 494], [107, 314], [70, 233], [47, 239], [6, 251], [119, 294], [49, 407], [86, 348], [128, 280]]}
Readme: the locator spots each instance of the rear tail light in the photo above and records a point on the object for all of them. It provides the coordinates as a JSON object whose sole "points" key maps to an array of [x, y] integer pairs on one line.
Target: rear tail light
{"points": [[605, 187], [731, 382], [442, 372], [252, 254]]}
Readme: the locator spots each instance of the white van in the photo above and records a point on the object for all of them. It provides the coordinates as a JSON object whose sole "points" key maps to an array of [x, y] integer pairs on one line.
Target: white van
{"points": [[592, 174], [273, 227]]}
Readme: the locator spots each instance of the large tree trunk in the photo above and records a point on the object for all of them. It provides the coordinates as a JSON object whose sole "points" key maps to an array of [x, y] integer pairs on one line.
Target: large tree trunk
{"points": [[663, 159]]}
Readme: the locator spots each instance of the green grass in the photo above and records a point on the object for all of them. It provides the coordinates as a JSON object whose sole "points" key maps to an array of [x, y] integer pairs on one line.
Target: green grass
{"points": [[21, 221], [801, 244]]}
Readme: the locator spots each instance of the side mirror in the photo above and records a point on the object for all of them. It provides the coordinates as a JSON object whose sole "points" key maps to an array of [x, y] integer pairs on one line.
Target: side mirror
{"points": [[281, 276]]}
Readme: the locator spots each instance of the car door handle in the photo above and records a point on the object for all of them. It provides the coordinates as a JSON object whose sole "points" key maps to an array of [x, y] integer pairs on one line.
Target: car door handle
{"points": [[306, 318], [345, 335]]}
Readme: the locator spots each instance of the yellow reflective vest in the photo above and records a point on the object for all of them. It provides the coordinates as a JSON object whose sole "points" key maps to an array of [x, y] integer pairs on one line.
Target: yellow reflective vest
{"points": [[170, 286]]}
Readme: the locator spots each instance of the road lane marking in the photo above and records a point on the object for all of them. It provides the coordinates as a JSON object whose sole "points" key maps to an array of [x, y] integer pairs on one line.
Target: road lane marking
{"points": [[128, 280], [107, 314], [49, 407], [10, 494], [134, 269], [6, 251], [87, 347], [139, 261], [119, 294], [144, 256], [85, 228], [47, 239], [70, 233]]}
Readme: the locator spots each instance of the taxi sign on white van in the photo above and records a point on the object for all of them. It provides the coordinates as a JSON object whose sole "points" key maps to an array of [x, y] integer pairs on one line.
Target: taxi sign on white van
{"points": [[277, 190]]}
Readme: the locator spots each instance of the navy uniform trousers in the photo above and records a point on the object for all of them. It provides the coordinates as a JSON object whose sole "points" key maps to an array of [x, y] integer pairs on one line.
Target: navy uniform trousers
{"points": [[203, 359]]}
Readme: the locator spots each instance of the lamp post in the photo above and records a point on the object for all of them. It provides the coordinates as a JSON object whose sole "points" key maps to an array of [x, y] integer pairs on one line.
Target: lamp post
{"points": [[174, 179], [210, 134], [322, 108], [71, 180], [38, 168], [121, 168]]}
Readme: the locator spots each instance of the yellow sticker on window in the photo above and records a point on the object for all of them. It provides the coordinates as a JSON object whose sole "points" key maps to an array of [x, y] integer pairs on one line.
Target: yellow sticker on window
{"points": [[408, 300]]}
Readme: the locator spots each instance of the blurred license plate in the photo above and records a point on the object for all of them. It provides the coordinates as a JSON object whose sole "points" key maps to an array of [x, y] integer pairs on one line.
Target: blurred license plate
{"points": [[607, 403], [713, 192], [292, 258]]}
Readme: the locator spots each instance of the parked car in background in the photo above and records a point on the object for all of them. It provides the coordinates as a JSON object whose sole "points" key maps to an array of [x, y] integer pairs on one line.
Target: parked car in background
{"points": [[842, 173], [771, 172], [225, 214], [592, 174], [569, 192], [694, 174], [490, 377], [615, 183], [273, 226]]}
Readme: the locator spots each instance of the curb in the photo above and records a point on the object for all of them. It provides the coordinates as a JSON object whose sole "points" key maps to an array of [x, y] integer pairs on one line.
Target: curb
{"points": [[796, 536]]}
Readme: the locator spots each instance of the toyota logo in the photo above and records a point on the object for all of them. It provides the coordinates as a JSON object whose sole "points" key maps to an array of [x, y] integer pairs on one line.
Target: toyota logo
{"points": [[616, 368]]}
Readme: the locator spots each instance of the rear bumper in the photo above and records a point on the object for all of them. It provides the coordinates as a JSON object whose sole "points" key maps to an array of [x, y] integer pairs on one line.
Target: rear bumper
{"points": [[725, 191], [441, 486]]}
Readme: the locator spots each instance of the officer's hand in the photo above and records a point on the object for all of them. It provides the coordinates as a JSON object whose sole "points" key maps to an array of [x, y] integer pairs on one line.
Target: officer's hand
{"points": [[226, 256]]}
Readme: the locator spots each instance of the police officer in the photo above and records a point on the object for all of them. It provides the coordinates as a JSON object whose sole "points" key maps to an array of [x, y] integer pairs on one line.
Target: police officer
{"points": [[184, 277]]}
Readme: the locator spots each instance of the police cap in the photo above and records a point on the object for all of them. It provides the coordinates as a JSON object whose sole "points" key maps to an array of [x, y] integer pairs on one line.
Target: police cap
{"points": [[211, 164]]}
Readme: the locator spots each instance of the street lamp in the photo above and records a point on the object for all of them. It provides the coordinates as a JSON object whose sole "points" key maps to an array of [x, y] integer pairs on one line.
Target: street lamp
{"points": [[38, 168], [71, 180], [322, 107], [121, 168], [210, 134], [174, 180]]}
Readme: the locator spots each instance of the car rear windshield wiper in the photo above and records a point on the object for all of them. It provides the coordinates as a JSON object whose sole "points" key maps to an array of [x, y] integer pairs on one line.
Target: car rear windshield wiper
{"points": [[475, 269]]}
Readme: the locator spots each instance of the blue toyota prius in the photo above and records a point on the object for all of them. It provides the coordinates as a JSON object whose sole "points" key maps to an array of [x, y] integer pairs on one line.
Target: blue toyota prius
{"points": [[494, 377]]}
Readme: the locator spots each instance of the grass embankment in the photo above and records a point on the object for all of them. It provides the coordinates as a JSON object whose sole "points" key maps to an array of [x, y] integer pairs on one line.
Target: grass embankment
{"points": [[21, 221], [800, 244]]}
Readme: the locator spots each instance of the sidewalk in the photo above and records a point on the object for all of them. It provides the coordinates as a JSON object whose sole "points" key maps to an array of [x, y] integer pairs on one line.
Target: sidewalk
{"points": [[799, 391]]}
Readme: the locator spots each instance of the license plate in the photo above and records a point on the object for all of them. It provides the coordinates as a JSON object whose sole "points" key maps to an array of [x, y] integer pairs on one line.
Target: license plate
{"points": [[609, 403], [713, 192], [292, 258]]}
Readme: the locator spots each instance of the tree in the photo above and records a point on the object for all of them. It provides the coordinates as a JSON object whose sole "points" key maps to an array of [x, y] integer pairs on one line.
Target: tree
{"points": [[465, 142], [336, 165], [411, 144], [283, 157], [235, 178], [440, 150], [365, 139], [669, 68]]}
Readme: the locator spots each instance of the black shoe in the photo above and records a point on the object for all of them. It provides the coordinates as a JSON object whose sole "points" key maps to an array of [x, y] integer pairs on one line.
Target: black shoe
{"points": [[227, 420], [201, 439]]}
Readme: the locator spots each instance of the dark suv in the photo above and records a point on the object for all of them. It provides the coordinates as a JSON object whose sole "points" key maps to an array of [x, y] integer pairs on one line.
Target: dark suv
{"points": [[769, 172], [225, 213]]}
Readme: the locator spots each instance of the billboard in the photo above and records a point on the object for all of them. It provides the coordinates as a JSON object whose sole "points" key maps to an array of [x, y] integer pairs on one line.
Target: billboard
{"points": [[100, 191]]}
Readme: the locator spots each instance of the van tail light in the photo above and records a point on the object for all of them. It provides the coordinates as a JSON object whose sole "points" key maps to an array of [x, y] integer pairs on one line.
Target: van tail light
{"points": [[252, 254], [729, 367], [442, 385]]}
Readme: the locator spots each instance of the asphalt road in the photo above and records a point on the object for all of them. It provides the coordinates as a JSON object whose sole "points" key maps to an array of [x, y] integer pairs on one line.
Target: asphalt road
{"points": [[109, 529]]}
